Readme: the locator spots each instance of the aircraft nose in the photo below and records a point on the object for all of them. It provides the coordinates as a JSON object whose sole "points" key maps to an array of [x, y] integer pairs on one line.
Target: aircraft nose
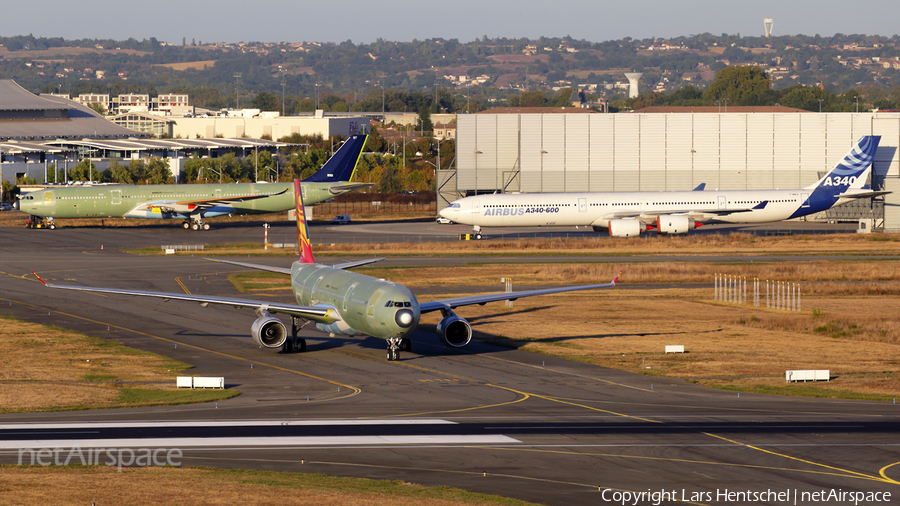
{"points": [[17, 205], [404, 318]]}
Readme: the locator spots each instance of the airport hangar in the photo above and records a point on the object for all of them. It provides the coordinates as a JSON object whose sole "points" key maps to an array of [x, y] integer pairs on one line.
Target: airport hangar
{"points": [[37, 131], [531, 150]]}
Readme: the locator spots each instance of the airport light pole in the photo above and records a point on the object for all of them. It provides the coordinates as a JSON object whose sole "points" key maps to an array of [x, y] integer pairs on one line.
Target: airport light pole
{"points": [[281, 70], [237, 90]]}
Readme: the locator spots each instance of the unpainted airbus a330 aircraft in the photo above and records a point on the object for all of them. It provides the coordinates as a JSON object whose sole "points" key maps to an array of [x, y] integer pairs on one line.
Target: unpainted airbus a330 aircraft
{"points": [[193, 202], [342, 302], [627, 214]]}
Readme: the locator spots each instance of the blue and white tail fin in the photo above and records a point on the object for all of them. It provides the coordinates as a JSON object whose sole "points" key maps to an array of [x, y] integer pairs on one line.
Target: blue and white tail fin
{"points": [[853, 170], [342, 165]]}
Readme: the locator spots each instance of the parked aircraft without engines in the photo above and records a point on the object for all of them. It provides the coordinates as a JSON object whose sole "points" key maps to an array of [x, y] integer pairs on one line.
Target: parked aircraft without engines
{"points": [[342, 302], [193, 202], [627, 214]]}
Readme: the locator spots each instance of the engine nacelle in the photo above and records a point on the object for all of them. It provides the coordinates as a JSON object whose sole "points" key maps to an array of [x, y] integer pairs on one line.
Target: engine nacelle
{"points": [[676, 224], [269, 332], [454, 331], [626, 228]]}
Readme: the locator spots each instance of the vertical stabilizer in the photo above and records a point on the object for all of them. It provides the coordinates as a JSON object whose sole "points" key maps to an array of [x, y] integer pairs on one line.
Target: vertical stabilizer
{"points": [[852, 171], [306, 256], [342, 165]]}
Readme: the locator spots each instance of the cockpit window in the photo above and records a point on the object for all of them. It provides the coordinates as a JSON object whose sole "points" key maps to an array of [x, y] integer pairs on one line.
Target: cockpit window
{"points": [[454, 205], [389, 303]]}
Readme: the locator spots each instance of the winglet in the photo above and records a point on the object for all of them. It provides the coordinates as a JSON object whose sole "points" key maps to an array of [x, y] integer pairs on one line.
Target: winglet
{"points": [[39, 278], [616, 280], [761, 205], [306, 256]]}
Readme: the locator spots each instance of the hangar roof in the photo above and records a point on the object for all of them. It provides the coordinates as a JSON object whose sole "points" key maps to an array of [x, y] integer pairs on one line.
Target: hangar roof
{"points": [[30, 117]]}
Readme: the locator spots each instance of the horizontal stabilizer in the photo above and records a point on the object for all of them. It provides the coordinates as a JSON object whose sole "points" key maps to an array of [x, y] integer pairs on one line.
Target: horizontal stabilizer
{"points": [[269, 268], [862, 195], [339, 188]]}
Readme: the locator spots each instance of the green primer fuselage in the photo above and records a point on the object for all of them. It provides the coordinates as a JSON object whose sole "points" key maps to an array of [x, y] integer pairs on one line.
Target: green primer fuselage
{"points": [[365, 305], [168, 200]]}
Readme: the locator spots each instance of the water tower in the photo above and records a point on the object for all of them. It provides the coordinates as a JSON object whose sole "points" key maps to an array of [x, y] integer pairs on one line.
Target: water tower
{"points": [[768, 22], [633, 78]]}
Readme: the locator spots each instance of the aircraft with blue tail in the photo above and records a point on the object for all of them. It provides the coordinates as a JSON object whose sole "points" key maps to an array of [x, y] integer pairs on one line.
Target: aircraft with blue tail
{"points": [[193, 203], [628, 214]]}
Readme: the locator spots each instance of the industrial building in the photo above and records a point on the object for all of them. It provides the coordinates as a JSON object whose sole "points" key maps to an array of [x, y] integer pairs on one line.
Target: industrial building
{"points": [[669, 151], [39, 133]]}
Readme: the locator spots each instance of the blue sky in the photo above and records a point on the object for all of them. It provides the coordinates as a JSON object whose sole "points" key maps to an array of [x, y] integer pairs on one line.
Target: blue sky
{"points": [[405, 20]]}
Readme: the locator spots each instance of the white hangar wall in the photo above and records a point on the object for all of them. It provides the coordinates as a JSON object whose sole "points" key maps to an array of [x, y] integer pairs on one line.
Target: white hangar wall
{"points": [[537, 153]]}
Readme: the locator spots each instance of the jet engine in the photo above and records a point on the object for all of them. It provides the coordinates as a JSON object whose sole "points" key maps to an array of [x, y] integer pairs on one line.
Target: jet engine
{"points": [[675, 224], [626, 228], [454, 331], [269, 331]]}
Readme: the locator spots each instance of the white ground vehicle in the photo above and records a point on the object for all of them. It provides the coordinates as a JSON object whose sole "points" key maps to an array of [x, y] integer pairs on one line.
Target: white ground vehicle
{"points": [[341, 219]]}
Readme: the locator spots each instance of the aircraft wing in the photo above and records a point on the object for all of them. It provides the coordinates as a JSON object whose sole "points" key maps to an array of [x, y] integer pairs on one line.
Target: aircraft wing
{"points": [[437, 305], [697, 214], [285, 270], [317, 314], [186, 206], [344, 187]]}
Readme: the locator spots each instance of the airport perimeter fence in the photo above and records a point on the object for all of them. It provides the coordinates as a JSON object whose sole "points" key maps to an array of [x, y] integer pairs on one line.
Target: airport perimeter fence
{"points": [[779, 295]]}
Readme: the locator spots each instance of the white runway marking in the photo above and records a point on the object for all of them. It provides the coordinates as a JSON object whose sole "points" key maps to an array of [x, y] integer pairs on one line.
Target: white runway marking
{"points": [[236, 442], [225, 423]]}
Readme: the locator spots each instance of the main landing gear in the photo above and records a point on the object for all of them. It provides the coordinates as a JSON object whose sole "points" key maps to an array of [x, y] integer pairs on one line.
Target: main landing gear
{"points": [[395, 345], [477, 233], [195, 225], [295, 343]]}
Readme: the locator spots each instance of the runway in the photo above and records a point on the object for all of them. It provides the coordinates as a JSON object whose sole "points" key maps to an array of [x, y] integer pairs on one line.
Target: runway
{"points": [[482, 418]]}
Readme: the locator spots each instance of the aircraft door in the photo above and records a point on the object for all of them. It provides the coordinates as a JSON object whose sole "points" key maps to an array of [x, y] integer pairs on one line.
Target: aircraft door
{"points": [[804, 198], [48, 198], [723, 204], [116, 196], [370, 312], [582, 205]]}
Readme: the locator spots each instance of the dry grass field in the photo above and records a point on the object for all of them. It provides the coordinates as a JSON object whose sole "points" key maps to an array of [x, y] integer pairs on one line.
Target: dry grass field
{"points": [[740, 347], [849, 321], [48, 369], [692, 244], [103, 485]]}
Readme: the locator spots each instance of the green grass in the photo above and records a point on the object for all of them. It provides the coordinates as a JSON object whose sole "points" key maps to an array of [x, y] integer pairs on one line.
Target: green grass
{"points": [[801, 390], [133, 397], [99, 377], [243, 281], [392, 488]]}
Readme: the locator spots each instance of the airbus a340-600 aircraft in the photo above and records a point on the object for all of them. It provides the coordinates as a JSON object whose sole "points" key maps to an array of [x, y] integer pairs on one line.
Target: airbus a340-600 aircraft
{"points": [[627, 214], [194, 202], [342, 302]]}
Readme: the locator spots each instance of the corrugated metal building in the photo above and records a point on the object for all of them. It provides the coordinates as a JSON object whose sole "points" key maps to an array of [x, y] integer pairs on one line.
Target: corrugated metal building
{"points": [[665, 151]]}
